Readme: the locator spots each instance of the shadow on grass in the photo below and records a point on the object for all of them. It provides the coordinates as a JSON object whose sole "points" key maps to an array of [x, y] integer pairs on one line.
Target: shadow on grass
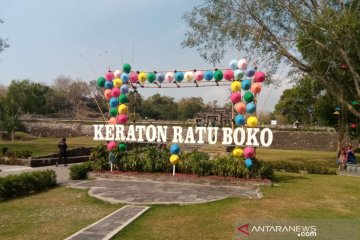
{"points": [[28, 194], [287, 178]]}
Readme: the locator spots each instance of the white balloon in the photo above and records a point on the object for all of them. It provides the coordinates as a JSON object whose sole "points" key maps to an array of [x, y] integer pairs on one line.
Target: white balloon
{"points": [[189, 76], [117, 73], [242, 64]]}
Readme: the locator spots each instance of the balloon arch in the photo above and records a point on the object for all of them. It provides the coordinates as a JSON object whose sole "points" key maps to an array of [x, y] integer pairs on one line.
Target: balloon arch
{"points": [[240, 77]]}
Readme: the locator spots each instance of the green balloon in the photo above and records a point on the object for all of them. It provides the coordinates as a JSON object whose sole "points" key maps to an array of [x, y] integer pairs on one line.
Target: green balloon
{"points": [[122, 147], [249, 97], [218, 75], [101, 81], [113, 112], [126, 68], [151, 77], [123, 98]]}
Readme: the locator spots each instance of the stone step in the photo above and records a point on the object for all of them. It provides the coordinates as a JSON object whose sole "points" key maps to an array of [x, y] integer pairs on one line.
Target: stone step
{"points": [[110, 225], [353, 169]]}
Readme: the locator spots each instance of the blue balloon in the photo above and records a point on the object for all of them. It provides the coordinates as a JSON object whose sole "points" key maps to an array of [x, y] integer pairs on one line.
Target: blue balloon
{"points": [[239, 120], [124, 77], [109, 85], [250, 72], [175, 149], [124, 89], [250, 108], [248, 163], [246, 84], [113, 102], [238, 74], [160, 77], [233, 64], [179, 76], [208, 75]]}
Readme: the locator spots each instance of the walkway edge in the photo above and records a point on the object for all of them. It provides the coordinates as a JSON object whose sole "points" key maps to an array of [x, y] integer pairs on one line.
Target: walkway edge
{"points": [[115, 231]]}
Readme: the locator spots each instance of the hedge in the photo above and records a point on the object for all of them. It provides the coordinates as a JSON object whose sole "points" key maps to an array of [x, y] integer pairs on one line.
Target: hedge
{"points": [[297, 167], [25, 183], [80, 171]]}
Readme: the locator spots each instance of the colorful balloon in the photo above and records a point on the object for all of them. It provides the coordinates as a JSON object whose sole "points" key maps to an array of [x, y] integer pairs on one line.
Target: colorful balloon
{"points": [[179, 76], [113, 102], [248, 97], [246, 84], [133, 77], [107, 94], [122, 118], [240, 107], [175, 148], [218, 75], [113, 112], [235, 86], [160, 77], [249, 152], [189, 76], [251, 108], [111, 145], [233, 64], [151, 77], [252, 121], [124, 89], [208, 75], [238, 74], [142, 77], [126, 68], [115, 92], [125, 77], [101, 81], [122, 147], [235, 97], [250, 72], [229, 75], [174, 159], [256, 87], [199, 75], [112, 120], [237, 152], [117, 73], [123, 98], [239, 120], [109, 76], [109, 84], [248, 163], [122, 109], [242, 64], [259, 77], [169, 77], [117, 82]]}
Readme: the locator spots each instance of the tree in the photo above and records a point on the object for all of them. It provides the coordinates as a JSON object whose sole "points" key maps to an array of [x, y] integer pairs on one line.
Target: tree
{"points": [[188, 107], [9, 121], [159, 107], [3, 42], [315, 37]]}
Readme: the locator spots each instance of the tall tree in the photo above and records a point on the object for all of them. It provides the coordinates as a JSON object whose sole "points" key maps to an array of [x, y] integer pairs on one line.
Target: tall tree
{"points": [[316, 37], [3, 42], [188, 107]]}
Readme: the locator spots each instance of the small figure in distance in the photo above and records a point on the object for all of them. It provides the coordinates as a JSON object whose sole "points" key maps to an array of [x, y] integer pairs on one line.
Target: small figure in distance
{"points": [[62, 151]]}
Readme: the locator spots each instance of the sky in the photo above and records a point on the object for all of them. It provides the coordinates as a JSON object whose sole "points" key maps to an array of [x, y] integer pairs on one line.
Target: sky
{"points": [[83, 38]]}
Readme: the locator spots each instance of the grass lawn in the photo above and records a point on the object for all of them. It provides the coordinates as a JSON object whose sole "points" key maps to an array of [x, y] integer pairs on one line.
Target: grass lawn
{"points": [[297, 196], [54, 214], [44, 145]]}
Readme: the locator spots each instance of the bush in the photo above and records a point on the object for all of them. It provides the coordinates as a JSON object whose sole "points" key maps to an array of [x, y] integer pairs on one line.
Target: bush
{"points": [[99, 158], [297, 167], [19, 154], [25, 183], [80, 171]]}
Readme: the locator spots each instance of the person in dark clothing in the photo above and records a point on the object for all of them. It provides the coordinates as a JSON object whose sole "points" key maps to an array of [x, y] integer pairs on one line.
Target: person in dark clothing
{"points": [[62, 148]]}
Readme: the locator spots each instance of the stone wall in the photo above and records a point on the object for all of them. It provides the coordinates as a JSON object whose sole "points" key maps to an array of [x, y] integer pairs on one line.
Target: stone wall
{"points": [[296, 139]]}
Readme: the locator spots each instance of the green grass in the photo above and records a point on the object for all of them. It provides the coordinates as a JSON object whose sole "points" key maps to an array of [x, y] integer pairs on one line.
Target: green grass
{"points": [[44, 145], [54, 214], [297, 196]]}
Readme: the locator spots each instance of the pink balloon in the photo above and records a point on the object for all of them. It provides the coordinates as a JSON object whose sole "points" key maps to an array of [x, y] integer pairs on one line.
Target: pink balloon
{"points": [[117, 73], [169, 77], [235, 97], [229, 75], [133, 77], [107, 94], [259, 77], [199, 75], [112, 120], [111, 145], [115, 92], [122, 118], [240, 107], [249, 152], [109, 76], [255, 87]]}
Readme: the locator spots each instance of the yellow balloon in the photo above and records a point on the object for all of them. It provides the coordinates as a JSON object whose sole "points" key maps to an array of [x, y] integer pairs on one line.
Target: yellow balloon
{"points": [[142, 77], [174, 159], [237, 152], [117, 82], [252, 121], [235, 86], [122, 108]]}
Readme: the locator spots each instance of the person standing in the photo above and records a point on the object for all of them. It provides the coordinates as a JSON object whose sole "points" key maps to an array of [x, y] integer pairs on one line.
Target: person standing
{"points": [[62, 151], [342, 158]]}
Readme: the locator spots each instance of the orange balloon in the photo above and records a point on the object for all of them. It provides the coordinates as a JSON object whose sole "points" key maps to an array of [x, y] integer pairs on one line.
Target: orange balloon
{"points": [[107, 94], [256, 87], [240, 107], [112, 120]]}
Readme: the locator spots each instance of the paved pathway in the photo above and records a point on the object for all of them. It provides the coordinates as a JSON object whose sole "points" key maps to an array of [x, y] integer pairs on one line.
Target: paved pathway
{"points": [[152, 192], [107, 227]]}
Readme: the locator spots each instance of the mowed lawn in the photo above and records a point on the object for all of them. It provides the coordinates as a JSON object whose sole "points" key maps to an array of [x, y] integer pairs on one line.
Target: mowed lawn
{"points": [[54, 214]]}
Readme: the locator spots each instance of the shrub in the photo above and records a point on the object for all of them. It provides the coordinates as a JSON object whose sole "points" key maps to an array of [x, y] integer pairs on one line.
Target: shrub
{"points": [[296, 167], [80, 171], [99, 158], [25, 183], [19, 154]]}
